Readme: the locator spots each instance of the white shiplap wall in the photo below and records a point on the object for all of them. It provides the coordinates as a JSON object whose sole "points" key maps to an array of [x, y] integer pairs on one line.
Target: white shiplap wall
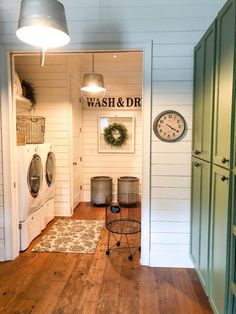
{"points": [[174, 26], [113, 165], [123, 78], [52, 92]]}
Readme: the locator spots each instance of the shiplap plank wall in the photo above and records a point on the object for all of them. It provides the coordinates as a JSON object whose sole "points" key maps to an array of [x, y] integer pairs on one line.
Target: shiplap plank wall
{"points": [[174, 26], [123, 78], [52, 92], [95, 164]]}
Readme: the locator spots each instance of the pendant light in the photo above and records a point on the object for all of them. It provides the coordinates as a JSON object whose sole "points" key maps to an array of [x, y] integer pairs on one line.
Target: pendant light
{"points": [[93, 83], [42, 23]]}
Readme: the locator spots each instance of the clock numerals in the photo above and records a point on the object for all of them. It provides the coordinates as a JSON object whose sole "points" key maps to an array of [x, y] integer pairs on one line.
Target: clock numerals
{"points": [[169, 126]]}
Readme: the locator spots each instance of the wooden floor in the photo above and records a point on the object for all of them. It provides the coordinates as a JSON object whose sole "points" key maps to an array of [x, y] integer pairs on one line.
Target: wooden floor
{"points": [[95, 283]]}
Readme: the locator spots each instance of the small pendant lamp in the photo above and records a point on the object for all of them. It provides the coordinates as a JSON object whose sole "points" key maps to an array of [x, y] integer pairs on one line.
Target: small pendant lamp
{"points": [[93, 82], [42, 23]]}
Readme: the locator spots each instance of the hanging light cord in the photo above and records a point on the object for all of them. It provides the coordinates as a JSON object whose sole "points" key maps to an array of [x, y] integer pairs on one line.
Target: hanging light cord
{"points": [[42, 56], [93, 63]]}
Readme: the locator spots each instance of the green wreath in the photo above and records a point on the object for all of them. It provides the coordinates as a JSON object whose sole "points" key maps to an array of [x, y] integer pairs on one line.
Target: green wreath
{"points": [[110, 134]]}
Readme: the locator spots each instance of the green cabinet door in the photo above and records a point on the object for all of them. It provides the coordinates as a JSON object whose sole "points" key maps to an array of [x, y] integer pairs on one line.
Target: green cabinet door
{"points": [[224, 85], [219, 239], [232, 280], [204, 65], [200, 217]]}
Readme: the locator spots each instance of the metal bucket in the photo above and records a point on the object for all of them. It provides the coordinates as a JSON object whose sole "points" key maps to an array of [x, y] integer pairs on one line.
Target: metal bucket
{"points": [[128, 190], [101, 188]]}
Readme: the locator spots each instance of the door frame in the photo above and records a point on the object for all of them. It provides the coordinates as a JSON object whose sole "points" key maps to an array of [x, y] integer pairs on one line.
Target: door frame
{"points": [[9, 135], [71, 80]]}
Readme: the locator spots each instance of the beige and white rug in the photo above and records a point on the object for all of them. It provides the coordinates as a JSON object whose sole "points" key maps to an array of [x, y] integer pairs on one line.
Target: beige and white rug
{"points": [[72, 236]]}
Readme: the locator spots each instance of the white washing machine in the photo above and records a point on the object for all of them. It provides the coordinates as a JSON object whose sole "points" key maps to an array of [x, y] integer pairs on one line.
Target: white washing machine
{"points": [[30, 183], [49, 172]]}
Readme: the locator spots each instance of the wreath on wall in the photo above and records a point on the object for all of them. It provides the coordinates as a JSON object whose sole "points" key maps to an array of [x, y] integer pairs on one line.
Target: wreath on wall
{"points": [[116, 134]]}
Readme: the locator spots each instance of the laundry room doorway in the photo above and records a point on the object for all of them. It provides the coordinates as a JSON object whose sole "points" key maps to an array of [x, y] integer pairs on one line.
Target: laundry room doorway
{"points": [[53, 85]]}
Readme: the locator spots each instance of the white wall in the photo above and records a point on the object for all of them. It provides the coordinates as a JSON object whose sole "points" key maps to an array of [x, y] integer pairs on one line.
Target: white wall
{"points": [[174, 26], [123, 78], [52, 94], [113, 165]]}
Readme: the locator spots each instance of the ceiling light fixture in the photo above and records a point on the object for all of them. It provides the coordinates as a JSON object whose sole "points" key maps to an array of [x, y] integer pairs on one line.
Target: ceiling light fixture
{"points": [[93, 82], [42, 23]]}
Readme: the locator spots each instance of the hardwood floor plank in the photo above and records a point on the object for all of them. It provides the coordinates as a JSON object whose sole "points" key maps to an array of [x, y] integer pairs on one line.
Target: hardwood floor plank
{"points": [[23, 306], [148, 292], [200, 293], [63, 266], [17, 285], [49, 299], [109, 296], [168, 302], [129, 286], [89, 297], [74, 287], [185, 293]]}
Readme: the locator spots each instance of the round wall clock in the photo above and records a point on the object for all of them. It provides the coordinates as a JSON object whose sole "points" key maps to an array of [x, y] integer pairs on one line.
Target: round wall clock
{"points": [[169, 126]]}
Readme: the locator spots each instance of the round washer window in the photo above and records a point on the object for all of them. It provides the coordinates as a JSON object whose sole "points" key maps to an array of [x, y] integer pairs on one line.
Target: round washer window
{"points": [[35, 175], [50, 168]]}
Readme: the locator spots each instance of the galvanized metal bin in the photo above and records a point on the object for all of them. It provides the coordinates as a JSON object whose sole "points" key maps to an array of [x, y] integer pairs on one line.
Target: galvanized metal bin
{"points": [[128, 190], [101, 188]]}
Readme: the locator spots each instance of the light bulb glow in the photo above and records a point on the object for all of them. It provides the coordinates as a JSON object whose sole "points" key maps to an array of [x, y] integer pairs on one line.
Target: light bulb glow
{"points": [[93, 83], [42, 36], [93, 89]]}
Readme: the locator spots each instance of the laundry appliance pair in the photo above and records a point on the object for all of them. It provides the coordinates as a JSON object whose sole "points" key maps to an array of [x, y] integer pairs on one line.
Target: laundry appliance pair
{"points": [[36, 190]]}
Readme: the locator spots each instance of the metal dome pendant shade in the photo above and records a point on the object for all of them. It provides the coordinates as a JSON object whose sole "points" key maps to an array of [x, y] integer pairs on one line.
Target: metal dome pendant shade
{"points": [[93, 84], [42, 23]]}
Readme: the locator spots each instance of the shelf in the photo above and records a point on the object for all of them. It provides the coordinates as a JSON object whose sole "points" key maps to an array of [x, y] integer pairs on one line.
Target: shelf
{"points": [[23, 103]]}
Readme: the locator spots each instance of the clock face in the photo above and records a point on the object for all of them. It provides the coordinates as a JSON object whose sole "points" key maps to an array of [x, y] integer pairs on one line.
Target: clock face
{"points": [[169, 126]]}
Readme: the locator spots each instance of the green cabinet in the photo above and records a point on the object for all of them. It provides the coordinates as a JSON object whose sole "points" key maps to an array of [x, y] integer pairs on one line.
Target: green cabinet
{"points": [[220, 217], [232, 294], [204, 65], [200, 218], [213, 200], [223, 125]]}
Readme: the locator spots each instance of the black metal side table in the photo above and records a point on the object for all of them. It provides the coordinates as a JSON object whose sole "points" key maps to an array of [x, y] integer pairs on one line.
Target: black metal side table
{"points": [[123, 221]]}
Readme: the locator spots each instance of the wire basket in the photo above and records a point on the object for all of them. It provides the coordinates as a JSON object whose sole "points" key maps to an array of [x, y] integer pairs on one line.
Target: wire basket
{"points": [[123, 221], [33, 127]]}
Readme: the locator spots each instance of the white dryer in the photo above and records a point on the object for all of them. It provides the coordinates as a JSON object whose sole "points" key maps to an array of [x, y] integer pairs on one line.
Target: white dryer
{"points": [[30, 182], [49, 172]]}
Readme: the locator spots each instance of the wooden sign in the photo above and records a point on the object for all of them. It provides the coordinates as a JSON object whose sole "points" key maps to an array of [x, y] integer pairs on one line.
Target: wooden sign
{"points": [[113, 102]]}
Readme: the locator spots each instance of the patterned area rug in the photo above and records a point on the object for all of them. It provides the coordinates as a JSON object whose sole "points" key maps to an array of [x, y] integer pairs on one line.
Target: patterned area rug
{"points": [[72, 236]]}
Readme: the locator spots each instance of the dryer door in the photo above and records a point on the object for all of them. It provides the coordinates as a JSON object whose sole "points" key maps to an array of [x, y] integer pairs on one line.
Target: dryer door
{"points": [[35, 176], [50, 168]]}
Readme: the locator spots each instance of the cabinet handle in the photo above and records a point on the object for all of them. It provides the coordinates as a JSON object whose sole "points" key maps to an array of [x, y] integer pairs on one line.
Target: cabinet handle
{"points": [[224, 160], [224, 178], [197, 152], [196, 164], [233, 288], [74, 163]]}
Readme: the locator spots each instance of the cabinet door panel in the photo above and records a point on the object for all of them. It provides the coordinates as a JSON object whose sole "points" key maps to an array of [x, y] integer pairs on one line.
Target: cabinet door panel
{"points": [[204, 64], [195, 211], [224, 84], [232, 294], [198, 98], [200, 216], [219, 236]]}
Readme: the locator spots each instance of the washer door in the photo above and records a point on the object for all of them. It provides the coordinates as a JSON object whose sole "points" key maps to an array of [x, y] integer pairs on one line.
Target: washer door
{"points": [[35, 176], [50, 168]]}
